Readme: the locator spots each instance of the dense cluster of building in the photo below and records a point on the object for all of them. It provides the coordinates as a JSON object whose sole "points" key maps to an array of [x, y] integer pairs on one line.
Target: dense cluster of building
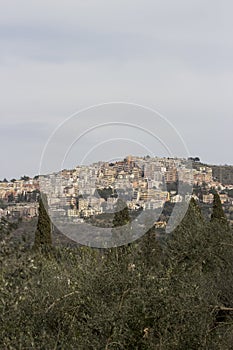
{"points": [[20, 210], [142, 182], [19, 198]]}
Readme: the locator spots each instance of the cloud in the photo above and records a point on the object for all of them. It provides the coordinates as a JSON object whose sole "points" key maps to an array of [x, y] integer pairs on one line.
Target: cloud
{"points": [[172, 56]]}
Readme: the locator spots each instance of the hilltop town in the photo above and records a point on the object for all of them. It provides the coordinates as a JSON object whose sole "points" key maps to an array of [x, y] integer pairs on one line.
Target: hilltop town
{"points": [[142, 182]]}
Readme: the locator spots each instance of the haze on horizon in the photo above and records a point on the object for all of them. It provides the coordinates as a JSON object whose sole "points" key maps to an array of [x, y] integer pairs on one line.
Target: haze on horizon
{"points": [[174, 57]]}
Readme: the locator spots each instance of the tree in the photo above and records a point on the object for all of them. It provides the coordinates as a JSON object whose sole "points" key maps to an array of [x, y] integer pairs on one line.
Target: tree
{"points": [[199, 261], [186, 243], [121, 232], [25, 178], [101, 301], [186, 293], [149, 250], [121, 216], [10, 197], [3, 205], [194, 159], [218, 213], [221, 244], [43, 237], [106, 193]]}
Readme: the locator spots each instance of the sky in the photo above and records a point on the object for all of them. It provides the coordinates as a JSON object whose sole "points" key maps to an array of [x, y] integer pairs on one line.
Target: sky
{"points": [[57, 58]]}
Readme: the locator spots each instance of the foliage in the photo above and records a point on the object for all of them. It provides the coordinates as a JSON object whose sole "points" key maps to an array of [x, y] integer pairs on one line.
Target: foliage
{"points": [[3, 205], [106, 193], [43, 237], [25, 178], [218, 213], [121, 231], [121, 216], [151, 294]]}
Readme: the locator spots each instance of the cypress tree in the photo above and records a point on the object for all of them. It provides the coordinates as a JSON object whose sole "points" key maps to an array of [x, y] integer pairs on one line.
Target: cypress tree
{"points": [[150, 249], [121, 231], [221, 240], [188, 244], [192, 222], [181, 290], [43, 237], [218, 213], [193, 217]]}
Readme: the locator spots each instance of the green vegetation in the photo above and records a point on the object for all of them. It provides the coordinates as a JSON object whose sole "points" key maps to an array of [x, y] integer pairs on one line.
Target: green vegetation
{"points": [[218, 213], [221, 173], [43, 236], [121, 216], [3, 205], [167, 295], [25, 178], [121, 230], [106, 193]]}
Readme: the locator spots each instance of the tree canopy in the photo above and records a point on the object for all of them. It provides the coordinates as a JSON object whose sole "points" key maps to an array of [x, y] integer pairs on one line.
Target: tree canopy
{"points": [[43, 236], [160, 292]]}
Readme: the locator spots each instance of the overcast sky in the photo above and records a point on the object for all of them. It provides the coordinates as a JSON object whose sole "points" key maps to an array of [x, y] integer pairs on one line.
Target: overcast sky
{"points": [[58, 57]]}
